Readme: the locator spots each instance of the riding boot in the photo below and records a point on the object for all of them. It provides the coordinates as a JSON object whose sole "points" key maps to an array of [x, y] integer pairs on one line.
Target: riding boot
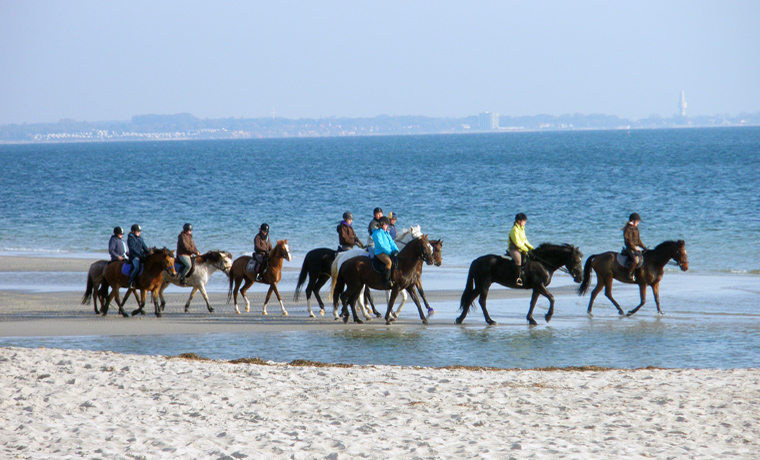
{"points": [[387, 277], [631, 272], [182, 281], [520, 274]]}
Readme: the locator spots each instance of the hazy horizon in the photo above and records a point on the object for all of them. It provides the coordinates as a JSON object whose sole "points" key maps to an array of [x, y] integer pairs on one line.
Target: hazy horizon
{"points": [[93, 61]]}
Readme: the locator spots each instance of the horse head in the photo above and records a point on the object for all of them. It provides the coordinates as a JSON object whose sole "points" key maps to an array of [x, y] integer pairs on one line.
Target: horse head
{"points": [[437, 246], [221, 260], [575, 264], [426, 250], [680, 257], [166, 257], [284, 250]]}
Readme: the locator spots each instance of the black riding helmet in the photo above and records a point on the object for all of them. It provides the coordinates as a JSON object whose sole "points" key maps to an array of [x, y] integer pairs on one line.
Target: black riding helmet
{"points": [[635, 217], [264, 228], [520, 216], [136, 228], [118, 231], [348, 216], [187, 227], [384, 220]]}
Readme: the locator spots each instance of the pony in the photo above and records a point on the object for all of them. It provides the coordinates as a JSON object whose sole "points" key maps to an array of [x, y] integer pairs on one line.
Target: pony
{"points": [[272, 276], [205, 266], [149, 280], [94, 280], [355, 273], [489, 269], [650, 273]]}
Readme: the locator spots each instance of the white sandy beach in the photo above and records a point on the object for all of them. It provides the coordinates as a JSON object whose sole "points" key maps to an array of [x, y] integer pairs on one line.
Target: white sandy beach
{"points": [[81, 404]]}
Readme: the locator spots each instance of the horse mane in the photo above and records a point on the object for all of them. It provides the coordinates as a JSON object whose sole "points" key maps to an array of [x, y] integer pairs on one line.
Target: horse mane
{"points": [[551, 246], [669, 243], [417, 239]]}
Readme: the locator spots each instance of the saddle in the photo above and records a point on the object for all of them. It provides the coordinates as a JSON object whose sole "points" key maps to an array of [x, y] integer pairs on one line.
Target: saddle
{"points": [[623, 259], [179, 265], [379, 266]]}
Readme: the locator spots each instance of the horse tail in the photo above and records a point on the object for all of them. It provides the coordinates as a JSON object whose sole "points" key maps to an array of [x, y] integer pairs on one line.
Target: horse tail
{"points": [[586, 275], [339, 284], [468, 289], [333, 275], [103, 289], [229, 293], [89, 290], [301, 278]]}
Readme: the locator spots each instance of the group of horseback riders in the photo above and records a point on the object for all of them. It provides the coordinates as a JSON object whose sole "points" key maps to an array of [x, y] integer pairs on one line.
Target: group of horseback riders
{"points": [[135, 250], [381, 245], [521, 250]]}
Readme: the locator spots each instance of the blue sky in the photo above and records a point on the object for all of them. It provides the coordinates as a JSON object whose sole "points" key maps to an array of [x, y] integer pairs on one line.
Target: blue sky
{"points": [[95, 60]]}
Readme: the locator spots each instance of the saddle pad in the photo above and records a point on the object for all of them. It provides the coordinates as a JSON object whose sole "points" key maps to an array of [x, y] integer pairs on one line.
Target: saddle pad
{"points": [[251, 266], [622, 259], [127, 267]]}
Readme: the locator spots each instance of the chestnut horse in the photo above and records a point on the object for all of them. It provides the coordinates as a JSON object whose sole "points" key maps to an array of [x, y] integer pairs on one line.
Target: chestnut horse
{"points": [[355, 273], [272, 276], [649, 274], [547, 258], [94, 280], [150, 279]]}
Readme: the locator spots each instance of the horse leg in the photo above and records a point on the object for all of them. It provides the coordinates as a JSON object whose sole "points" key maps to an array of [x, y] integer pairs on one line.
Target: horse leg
{"points": [[121, 303], [141, 303], [362, 300], [202, 288], [643, 295], [533, 300], [317, 286], [156, 307], [368, 295], [416, 301], [404, 297], [467, 304], [544, 292], [430, 310], [391, 301], [594, 293], [656, 292], [266, 299], [277, 293], [482, 302], [190, 299], [248, 283], [161, 295], [352, 302], [114, 293], [608, 294]]}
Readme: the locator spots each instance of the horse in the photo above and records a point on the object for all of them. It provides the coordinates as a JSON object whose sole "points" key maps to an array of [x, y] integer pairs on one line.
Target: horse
{"points": [[489, 269], [649, 274], [437, 246], [272, 276], [149, 279], [205, 266], [355, 273], [94, 280]]}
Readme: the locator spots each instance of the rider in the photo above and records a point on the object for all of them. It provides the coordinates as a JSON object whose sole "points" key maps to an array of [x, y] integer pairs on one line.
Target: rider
{"points": [[519, 245], [138, 250], [392, 216], [346, 235], [185, 250], [261, 249], [116, 246], [374, 224], [385, 248], [633, 244]]}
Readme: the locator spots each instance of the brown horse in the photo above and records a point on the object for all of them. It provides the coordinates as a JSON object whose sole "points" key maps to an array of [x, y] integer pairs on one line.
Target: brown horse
{"points": [[94, 279], [355, 273], [150, 279], [649, 274], [272, 276]]}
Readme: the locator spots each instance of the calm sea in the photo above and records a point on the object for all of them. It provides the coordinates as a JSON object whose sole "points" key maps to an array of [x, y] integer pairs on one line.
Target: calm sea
{"points": [[700, 185]]}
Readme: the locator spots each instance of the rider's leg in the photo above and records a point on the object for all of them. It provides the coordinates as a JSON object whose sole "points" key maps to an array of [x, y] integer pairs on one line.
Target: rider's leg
{"points": [[386, 260], [187, 263], [134, 272], [517, 257]]}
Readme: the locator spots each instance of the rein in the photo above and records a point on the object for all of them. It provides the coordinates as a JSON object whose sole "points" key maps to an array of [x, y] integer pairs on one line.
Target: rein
{"points": [[560, 268]]}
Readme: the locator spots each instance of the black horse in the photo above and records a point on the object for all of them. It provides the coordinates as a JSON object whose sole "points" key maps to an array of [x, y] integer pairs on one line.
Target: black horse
{"points": [[547, 258], [317, 266]]}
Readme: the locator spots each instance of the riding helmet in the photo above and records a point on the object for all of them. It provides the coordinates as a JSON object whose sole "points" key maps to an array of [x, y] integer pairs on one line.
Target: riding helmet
{"points": [[118, 231], [392, 215], [187, 227], [377, 210], [136, 228], [384, 220], [520, 216], [264, 227], [635, 217], [348, 216]]}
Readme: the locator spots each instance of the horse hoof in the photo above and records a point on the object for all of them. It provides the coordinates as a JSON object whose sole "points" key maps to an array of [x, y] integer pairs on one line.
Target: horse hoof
{"points": [[548, 318], [211, 310], [312, 315], [493, 323], [284, 313], [345, 320], [459, 320], [247, 310], [321, 312], [263, 313], [358, 321], [590, 315], [134, 313], [237, 311], [424, 321], [158, 314], [431, 312], [388, 322], [628, 314]]}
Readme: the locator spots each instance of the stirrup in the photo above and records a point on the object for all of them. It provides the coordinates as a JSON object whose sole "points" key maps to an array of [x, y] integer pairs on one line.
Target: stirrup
{"points": [[519, 281]]}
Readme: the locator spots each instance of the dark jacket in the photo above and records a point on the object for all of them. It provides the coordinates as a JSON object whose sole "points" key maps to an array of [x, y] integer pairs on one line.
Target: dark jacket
{"points": [[261, 245], [116, 248], [373, 225], [347, 236], [186, 245], [632, 239], [137, 247]]}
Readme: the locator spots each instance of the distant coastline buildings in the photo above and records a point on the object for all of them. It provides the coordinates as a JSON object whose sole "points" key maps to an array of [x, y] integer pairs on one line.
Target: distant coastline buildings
{"points": [[682, 104], [488, 121]]}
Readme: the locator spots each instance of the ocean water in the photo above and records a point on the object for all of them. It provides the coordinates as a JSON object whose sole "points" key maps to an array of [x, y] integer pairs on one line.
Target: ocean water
{"points": [[699, 185]]}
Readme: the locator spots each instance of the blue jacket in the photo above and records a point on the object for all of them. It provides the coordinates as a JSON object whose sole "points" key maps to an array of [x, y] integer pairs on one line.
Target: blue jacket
{"points": [[137, 247], [116, 248], [384, 244]]}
